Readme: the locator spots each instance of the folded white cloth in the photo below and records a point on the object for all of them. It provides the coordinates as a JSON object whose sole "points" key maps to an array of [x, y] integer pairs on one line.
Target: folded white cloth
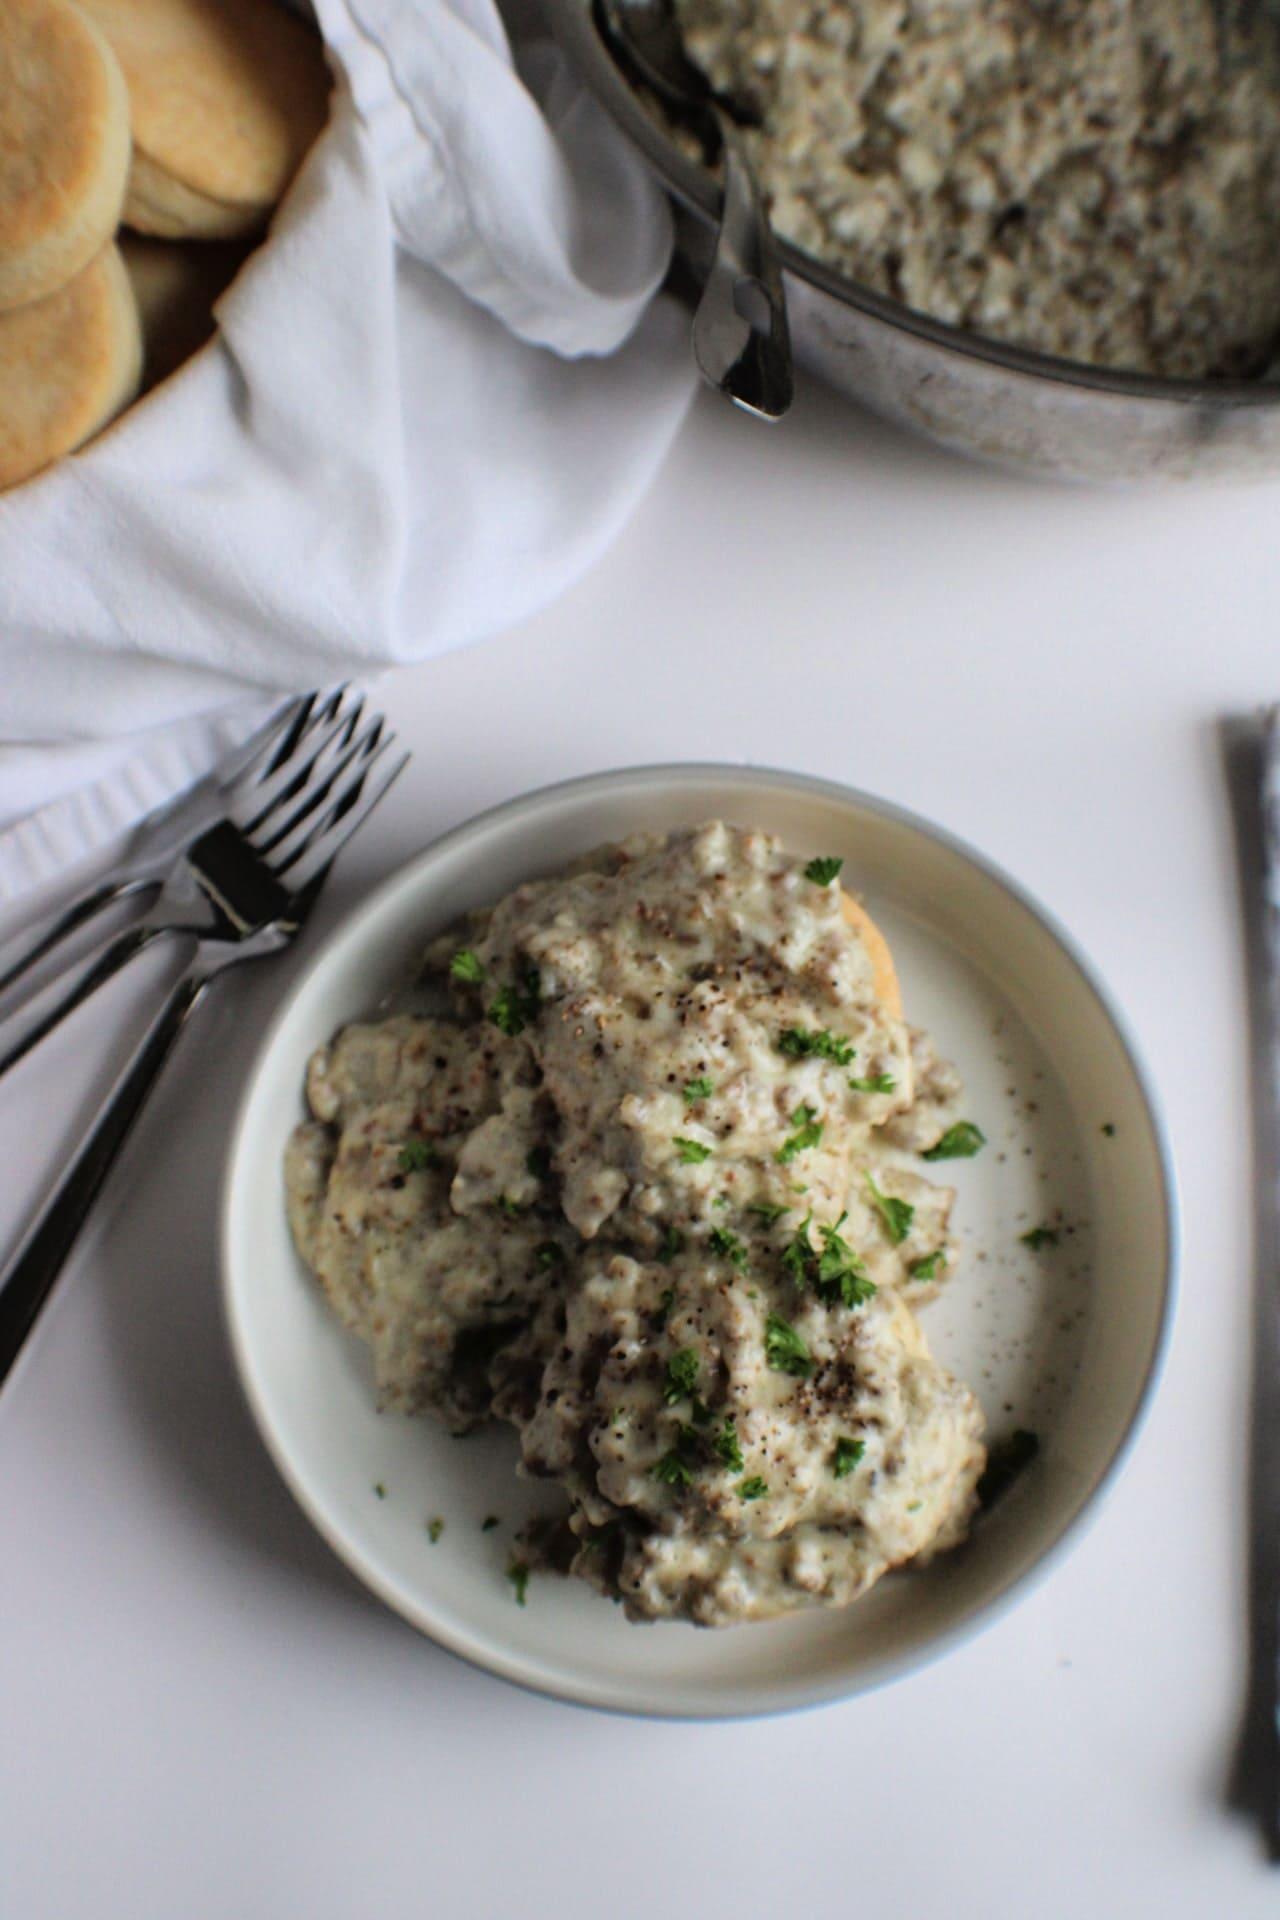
{"points": [[378, 458]]}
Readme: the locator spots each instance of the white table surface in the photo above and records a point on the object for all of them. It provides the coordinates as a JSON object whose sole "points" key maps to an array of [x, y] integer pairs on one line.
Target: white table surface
{"points": [[201, 1713]]}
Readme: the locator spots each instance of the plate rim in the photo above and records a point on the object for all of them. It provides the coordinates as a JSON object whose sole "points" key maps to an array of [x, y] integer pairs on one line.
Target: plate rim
{"points": [[511, 1667]]}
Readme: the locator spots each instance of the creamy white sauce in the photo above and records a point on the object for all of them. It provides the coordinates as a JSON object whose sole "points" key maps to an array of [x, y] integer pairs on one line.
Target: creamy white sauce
{"points": [[560, 1224]]}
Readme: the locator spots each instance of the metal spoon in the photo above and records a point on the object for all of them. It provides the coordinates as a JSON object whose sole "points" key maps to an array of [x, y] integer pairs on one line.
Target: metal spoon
{"points": [[741, 341]]}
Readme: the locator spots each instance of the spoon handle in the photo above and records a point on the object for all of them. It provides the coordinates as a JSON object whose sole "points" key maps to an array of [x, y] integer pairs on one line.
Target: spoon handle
{"points": [[741, 341]]}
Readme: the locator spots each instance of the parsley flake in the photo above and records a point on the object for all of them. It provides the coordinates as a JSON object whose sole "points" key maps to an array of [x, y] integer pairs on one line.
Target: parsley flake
{"points": [[874, 1083], [434, 1529], [768, 1210], [489, 1522], [665, 1303], [416, 1156], [379, 1489], [959, 1142], [690, 1153], [927, 1267], [753, 1489], [784, 1350], [846, 1456], [676, 1467], [841, 1275], [682, 1375], [1109, 1128], [518, 1575], [808, 1133], [1039, 1237], [799, 1043], [549, 1254], [823, 870], [513, 1008], [672, 1244], [466, 966], [728, 1446], [721, 1241], [509, 1207], [699, 1089], [798, 1257], [896, 1215]]}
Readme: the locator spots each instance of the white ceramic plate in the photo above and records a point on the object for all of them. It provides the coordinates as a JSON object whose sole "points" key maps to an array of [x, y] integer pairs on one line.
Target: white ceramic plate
{"points": [[1066, 1341]]}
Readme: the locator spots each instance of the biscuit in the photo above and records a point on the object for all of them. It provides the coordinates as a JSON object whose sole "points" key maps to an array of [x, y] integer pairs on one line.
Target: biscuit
{"points": [[68, 364], [64, 146], [225, 98], [175, 288], [884, 975]]}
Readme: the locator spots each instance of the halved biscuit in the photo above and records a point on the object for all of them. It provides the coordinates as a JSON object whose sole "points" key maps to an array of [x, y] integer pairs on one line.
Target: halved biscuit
{"points": [[67, 365], [225, 97], [883, 972], [64, 146], [175, 287]]}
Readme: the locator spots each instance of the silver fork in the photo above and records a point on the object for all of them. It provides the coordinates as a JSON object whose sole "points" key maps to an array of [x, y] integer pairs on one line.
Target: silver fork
{"points": [[296, 760], [255, 900]]}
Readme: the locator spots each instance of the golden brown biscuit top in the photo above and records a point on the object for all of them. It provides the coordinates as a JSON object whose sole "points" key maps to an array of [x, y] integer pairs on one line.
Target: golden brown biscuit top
{"points": [[225, 95], [55, 100]]}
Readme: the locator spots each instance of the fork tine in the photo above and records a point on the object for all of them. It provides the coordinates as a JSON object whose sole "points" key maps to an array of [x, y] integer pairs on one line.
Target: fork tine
{"points": [[281, 841], [268, 744], [252, 801], [348, 813]]}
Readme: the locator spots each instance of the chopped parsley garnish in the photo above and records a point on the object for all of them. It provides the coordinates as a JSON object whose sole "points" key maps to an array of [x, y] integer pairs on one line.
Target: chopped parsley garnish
{"points": [[514, 1007], [814, 1043], [841, 1274], [672, 1244], [896, 1215], [538, 1162], [927, 1266], [416, 1156], [728, 1447], [785, 1351], [466, 966], [665, 1304], [768, 1210], [1109, 1128], [808, 1133], [823, 870], [676, 1467], [753, 1489], [511, 1208], [434, 1529], [1039, 1237], [846, 1456], [379, 1489], [549, 1254], [1006, 1460], [721, 1200], [874, 1083], [699, 1089], [690, 1152], [682, 1375], [799, 1256], [959, 1142], [489, 1522], [721, 1241], [518, 1575]]}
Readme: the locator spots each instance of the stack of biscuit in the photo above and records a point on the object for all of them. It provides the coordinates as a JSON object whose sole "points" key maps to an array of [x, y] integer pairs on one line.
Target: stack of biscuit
{"points": [[182, 120]]}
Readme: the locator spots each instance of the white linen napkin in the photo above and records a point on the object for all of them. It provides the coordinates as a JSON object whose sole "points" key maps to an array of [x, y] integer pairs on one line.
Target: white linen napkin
{"points": [[436, 394]]}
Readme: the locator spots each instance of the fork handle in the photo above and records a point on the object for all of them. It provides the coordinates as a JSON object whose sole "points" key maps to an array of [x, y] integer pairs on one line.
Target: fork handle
{"points": [[23, 953], [20, 1031], [28, 1278]]}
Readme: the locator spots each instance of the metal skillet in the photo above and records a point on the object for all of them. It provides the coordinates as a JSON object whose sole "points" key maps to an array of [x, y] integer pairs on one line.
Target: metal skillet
{"points": [[1024, 410]]}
